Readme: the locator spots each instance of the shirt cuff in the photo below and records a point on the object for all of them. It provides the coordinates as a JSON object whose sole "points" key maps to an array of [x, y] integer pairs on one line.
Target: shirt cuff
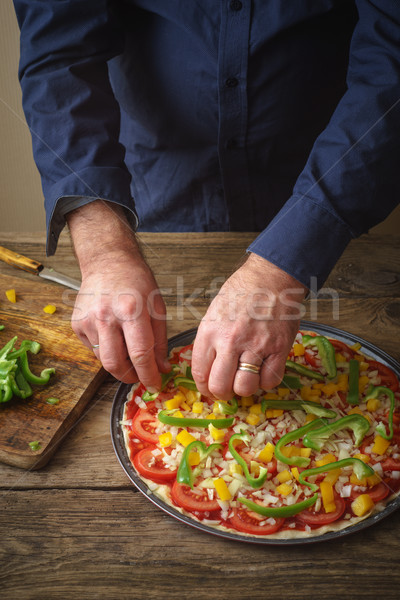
{"points": [[305, 240], [66, 204]]}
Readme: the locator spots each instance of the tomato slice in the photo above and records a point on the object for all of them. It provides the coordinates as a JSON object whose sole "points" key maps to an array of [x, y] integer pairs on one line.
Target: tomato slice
{"points": [[376, 493], [248, 522], [388, 377], [143, 426], [391, 464], [193, 500], [317, 519], [312, 358], [343, 348], [152, 467]]}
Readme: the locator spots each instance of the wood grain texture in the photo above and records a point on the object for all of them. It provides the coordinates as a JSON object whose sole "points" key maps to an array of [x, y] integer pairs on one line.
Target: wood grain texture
{"points": [[78, 529], [78, 373]]}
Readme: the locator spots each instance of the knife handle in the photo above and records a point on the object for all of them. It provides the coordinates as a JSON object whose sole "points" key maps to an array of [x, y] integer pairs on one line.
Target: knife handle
{"points": [[20, 261]]}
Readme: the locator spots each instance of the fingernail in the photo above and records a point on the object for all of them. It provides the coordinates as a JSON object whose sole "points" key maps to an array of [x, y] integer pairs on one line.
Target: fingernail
{"points": [[152, 390]]}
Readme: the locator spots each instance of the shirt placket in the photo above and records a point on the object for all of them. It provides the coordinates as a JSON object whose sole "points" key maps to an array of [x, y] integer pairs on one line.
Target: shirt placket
{"points": [[232, 98]]}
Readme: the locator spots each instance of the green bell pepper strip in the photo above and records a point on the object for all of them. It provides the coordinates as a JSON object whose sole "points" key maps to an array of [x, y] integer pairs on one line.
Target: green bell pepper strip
{"points": [[29, 376], [298, 461], [316, 439], [17, 391], [33, 347], [374, 393], [185, 472], [310, 407], [166, 417], [2, 327], [353, 395], [279, 511], [360, 468], [22, 383], [302, 370], [148, 397], [185, 382], [326, 352], [228, 408], [7, 367], [292, 382], [7, 348], [255, 482], [166, 377], [6, 392]]}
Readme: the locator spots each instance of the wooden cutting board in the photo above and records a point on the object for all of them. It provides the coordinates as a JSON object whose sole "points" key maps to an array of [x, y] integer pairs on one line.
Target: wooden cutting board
{"points": [[78, 372]]}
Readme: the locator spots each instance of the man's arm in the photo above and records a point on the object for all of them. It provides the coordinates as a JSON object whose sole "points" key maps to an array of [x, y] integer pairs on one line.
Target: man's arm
{"points": [[119, 306], [349, 184]]}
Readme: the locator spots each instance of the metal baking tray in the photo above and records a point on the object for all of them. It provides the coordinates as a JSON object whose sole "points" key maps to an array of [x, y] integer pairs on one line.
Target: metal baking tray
{"points": [[187, 337]]}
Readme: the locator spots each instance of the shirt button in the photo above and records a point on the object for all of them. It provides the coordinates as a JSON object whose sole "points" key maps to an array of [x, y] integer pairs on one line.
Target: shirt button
{"points": [[231, 82], [236, 5]]}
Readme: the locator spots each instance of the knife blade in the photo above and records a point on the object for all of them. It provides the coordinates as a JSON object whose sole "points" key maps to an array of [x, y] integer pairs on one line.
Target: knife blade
{"points": [[32, 266]]}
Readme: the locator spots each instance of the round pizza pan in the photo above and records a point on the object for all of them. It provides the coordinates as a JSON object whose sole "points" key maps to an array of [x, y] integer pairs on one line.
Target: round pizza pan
{"points": [[187, 337]]}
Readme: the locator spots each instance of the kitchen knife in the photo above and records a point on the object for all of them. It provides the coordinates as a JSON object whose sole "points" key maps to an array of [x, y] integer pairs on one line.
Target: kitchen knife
{"points": [[32, 266]]}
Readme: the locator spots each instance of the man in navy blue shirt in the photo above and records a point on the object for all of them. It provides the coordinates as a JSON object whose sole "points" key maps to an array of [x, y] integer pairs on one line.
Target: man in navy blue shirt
{"points": [[246, 115]]}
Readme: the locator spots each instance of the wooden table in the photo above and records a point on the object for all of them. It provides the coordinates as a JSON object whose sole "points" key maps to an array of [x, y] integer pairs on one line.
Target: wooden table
{"points": [[78, 528]]}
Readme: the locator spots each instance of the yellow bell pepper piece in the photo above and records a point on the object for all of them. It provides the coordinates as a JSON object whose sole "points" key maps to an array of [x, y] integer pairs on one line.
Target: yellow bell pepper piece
{"points": [[165, 439], [178, 414], [364, 457], [325, 460], [194, 459], [305, 452], [185, 438], [332, 476], [197, 407], [272, 413], [192, 396], [11, 296], [222, 489], [373, 404], [380, 445], [283, 392], [235, 468], [267, 453], [295, 473], [254, 468], [356, 346], [343, 382], [271, 396], [330, 388], [328, 499], [357, 411], [255, 409], [362, 504], [50, 309], [252, 419], [298, 349], [175, 401], [284, 489], [339, 357], [362, 382], [284, 476], [217, 434], [247, 401], [185, 406]]}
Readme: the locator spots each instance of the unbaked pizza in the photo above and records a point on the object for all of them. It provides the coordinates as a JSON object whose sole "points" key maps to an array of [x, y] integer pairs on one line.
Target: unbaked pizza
{"points": [[318, 453]]}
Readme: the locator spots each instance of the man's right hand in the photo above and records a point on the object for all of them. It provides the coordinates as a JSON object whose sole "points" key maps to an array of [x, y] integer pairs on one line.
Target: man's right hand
{"points": [[119, 307]]}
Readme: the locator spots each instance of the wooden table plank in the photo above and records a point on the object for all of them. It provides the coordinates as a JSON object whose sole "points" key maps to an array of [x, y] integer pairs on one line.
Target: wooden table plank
{"points": [[109, 544], [78, 529]]}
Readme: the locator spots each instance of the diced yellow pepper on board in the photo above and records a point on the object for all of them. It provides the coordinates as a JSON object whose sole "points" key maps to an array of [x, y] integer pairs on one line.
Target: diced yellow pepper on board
{"points": [[222, 489], [185, 438], [50, 309], [11, 295], [267, 453], [362, 504], [380, 445]]}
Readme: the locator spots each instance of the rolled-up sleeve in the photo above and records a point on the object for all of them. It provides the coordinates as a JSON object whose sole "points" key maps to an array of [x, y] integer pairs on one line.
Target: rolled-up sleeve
{"points": [[350, 181], [69, 104]]}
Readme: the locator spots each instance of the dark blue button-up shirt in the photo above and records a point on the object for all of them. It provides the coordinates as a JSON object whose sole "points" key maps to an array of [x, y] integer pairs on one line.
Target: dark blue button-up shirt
{"points": [[277, 116]]}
